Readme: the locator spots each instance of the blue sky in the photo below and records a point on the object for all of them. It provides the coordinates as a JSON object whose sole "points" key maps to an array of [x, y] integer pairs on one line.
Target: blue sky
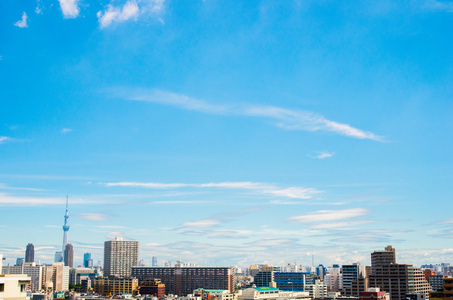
{"points": [[228, 132]]}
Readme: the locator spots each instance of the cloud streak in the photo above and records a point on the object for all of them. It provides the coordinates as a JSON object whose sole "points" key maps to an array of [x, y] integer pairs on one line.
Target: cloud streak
{"points": [[284, 118], [329, 215], [115, 14], [291, 192], [322, 155]]}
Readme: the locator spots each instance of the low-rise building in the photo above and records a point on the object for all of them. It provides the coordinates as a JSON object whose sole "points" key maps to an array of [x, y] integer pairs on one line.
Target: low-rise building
{"points": [[115, 285], [270, 293], [13, 287]]}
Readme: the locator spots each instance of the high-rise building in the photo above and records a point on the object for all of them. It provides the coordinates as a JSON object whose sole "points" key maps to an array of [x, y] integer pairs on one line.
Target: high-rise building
{"points": [[31, 270], [69, 255], [20, 261], [154, 263], [385, 257], [398, 280], [182, 281], [120, 256], [87, 261], [30, 253]]}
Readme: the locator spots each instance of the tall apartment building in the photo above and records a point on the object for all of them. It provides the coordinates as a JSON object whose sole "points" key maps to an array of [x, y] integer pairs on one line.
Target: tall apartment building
{"points": [[385, 257], [334, 279], [120, 256], [184, 280], [398, 280], [447, 291], [351, 273], [31, 270], [30, 253]]}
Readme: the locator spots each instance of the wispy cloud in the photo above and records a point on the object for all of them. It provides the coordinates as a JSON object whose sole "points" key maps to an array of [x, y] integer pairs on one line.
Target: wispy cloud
{"points": [[116, 14], [22, 23], [69, 8], [4, 139], [445, 6], [95, 217], [329, 215], [6, 199], [66, 130], [322, 155], [205, 223], [291, 192], [284, 118]]}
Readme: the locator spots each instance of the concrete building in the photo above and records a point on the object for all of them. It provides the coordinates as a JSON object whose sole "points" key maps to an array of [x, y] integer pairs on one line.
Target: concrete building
{"points": [[436, 282], [13, 287], [182, 281], [115, 285], [56, 277], [30, 253], [351, 273], [207, 294], [31, 270], [76, 275], [120, 256], [334, 279], [317, 290]]}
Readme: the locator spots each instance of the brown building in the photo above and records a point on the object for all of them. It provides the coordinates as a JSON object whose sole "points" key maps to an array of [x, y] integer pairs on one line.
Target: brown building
{"points": [[182, 281], [386, 257], [115, 285], [153, 287]]}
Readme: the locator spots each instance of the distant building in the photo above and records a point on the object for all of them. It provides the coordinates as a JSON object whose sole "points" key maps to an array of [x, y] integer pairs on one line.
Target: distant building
{"points": [[77, 275], [154, 262], [87, 261], [436, 282], [69, 255], [385, 257], [20, 261], [317, 290], [207, 294], [30, 253], [120, 256], [115, 285], [333, 279], [182, 281]]}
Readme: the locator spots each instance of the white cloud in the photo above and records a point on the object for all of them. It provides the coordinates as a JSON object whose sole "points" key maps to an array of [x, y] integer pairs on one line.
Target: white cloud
{"points": [[285, 118], [69, 8], [6, 199], [23, 22], [206, 223], [291, 192], [96, 217], [329, 215], [116, 14], [322, 155], [334, 225]]}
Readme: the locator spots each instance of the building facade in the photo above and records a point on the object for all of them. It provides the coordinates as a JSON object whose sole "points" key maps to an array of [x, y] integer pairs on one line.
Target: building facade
{"points": [[30, 253], [115, 285], [120, 256], [182, 281]]}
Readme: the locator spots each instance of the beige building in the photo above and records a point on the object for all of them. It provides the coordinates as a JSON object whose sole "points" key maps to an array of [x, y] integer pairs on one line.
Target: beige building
{"points": [[13, 287], [56, 277], [30, 269], [271, 293], [115, 285]]}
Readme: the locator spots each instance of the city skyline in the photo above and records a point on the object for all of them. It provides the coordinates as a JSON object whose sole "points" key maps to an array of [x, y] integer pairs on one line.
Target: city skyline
{"points": [[226, 133]]}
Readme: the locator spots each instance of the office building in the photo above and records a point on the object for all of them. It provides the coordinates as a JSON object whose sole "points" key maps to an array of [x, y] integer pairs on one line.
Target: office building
{"points": [[352, 273], [30, 253], [436, 282], [77, 275], [334, 279], [447, 290], [154, 263], [87, 261], [20, 261], [182, 281], [69, 255], [317, 290], [120, 256], [115, 285]]}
